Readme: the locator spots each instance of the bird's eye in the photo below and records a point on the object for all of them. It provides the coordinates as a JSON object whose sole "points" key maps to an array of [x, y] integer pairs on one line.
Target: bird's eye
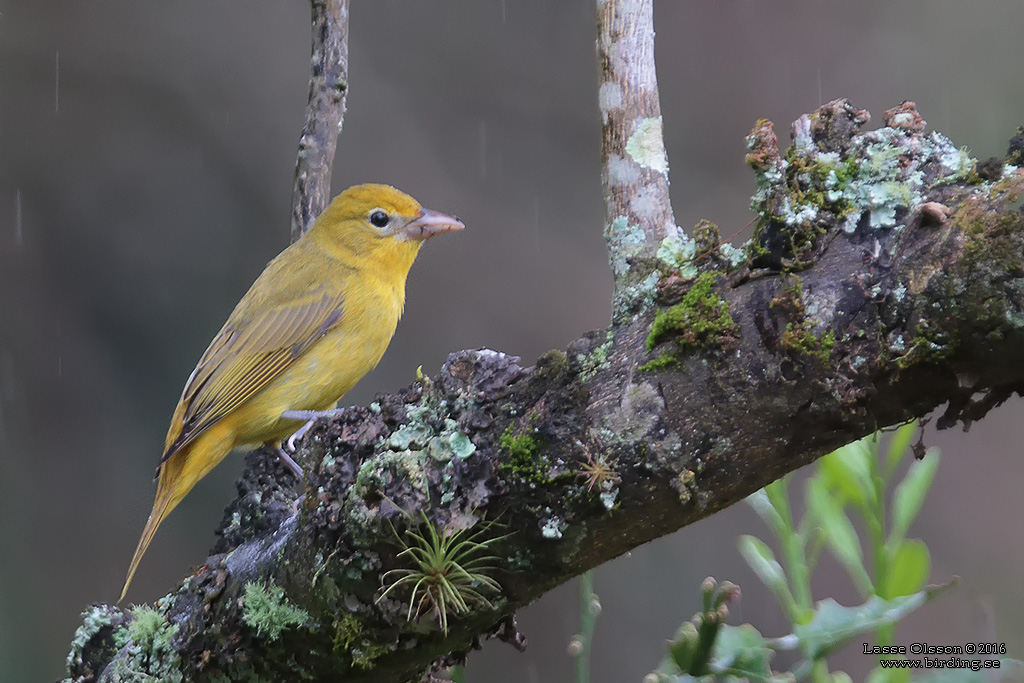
{"points": [[379, 218]]}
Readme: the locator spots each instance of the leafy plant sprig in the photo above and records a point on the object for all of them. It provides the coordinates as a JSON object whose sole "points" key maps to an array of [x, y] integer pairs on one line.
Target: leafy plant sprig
{"points": [[449, 572]]}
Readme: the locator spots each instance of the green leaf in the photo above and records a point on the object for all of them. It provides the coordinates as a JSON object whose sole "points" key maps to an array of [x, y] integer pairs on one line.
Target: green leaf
{"points": [[778, 496], [759, 502], [683, 649], [742, 651], [910, 495], [908, 569], [899, 444], [839, 534], [833, 624], [762, 560], [848, 470]]}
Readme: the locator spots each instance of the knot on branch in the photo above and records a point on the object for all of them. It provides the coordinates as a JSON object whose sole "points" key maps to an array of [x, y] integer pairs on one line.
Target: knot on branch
{"points": [[836, 178]]}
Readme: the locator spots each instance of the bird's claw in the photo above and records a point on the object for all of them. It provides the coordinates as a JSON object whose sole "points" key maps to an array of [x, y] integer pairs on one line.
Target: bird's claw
{"points": [[293, 466], [310, 416]]}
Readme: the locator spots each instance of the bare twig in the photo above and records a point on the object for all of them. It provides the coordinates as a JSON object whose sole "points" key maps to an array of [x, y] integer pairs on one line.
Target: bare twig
{"points": [[328, 86], [638, 213]]}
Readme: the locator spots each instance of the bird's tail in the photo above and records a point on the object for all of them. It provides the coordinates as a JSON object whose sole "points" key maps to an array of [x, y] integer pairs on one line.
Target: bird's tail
{"points": [[170, 489], [177, 475]]}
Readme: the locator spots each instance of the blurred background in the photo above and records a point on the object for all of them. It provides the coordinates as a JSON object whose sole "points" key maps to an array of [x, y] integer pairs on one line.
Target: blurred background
{"points": [[146, 161]]}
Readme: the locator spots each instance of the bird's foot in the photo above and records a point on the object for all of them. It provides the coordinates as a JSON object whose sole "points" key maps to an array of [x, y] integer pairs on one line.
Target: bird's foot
{"points": [[311, 416]]}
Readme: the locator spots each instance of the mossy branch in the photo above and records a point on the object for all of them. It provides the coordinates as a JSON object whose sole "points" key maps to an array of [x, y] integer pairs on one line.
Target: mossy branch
{"points": [[559, 467]]}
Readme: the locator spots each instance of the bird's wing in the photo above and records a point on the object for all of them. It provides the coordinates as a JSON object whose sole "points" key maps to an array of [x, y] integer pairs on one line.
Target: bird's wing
{"points": [[246, 355]]}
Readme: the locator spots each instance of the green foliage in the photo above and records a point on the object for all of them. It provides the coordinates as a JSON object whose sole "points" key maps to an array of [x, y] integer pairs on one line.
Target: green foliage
{"points": [[706, 646], [448, 573], [889, 570], [266, 609]]}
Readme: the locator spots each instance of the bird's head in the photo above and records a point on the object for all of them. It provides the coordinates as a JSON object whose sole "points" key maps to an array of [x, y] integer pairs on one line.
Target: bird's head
{"points": [[378, 222]]}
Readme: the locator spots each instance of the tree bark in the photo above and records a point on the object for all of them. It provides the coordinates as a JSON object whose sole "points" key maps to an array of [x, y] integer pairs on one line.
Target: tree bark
{"points": [[328, 86], [885, 278]]}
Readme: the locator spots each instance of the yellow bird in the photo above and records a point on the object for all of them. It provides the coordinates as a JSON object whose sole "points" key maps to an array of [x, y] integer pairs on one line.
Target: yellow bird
{"points": [[316, 320]]}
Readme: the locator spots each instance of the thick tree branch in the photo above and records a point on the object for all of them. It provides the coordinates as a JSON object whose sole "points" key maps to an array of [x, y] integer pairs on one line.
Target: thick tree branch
{"points": [[886, 278], [325, 110]]}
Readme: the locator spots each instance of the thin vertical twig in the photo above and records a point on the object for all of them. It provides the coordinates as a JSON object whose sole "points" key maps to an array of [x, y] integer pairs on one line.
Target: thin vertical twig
{"points": [[328, 86], [638, 213]]}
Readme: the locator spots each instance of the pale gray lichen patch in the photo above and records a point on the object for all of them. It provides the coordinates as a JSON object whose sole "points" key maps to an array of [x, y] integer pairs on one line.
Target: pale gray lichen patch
{"points": [[596, 360], [635, 416], [820, 306], [93, 619], [635, 298], [646, 203], [625, 240], [899, 292], [802, 138], [622, 171], [646, 146], [677, 253], [734, 256], [797, 214], [1014, 318], [889, 173], [552, 527], [609, 98]]}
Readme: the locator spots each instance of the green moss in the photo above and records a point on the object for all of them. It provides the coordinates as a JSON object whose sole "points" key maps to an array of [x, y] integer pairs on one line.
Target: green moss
{"points": [[666, 361], [930, 345], [266, 609], [522, 450], [700, 321], [924, 352], [707, 236], [350, 636], [992, 236], [799, 338], [147, 628]]}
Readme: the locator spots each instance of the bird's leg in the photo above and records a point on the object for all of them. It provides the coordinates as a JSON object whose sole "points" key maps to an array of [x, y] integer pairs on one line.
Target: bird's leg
{"points": [[287, 461], [310, 416]]}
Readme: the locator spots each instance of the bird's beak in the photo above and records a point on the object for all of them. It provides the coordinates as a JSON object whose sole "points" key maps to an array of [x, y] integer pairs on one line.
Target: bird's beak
{"points": [[429, 223]]}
